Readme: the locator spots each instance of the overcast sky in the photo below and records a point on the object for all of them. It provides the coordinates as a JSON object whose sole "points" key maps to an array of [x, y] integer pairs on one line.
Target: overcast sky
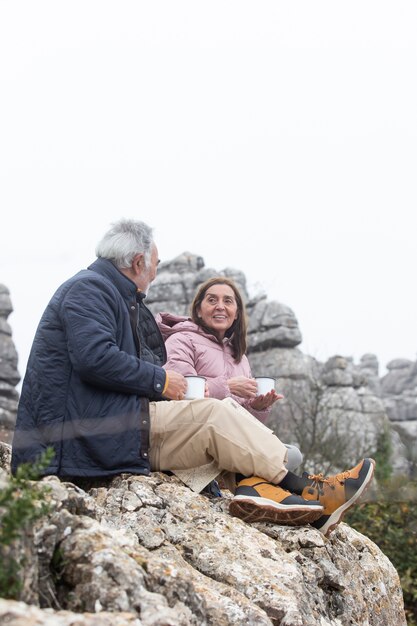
{"points": [[276, 138]]}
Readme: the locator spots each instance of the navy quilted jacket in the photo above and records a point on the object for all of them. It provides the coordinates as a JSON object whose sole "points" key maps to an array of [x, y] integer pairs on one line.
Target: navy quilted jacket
{"points": [[86, 390]]}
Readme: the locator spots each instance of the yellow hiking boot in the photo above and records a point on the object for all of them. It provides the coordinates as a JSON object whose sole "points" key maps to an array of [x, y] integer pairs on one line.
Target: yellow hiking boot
{"points": [[338, 493]]}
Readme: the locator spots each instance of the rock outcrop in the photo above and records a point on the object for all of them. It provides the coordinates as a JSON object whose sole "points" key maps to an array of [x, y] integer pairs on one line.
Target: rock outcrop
{"points": [[9, 376], [148, 551], [399, 390]]}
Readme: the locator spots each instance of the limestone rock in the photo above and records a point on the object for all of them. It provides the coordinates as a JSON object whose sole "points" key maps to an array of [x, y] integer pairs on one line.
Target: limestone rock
{"points": [[9, 375], [8, 354], [5, 456], [150, 549], [368, 368], [271, 325], [339, 371], [21, 614], [401, 376]]}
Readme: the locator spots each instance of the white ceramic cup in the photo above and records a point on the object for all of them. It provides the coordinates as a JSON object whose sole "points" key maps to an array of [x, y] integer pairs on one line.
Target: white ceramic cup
{"points": [[195, 387], [265, 384]]}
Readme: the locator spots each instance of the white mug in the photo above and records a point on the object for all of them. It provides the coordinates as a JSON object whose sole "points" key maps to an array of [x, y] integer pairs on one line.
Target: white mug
{"points": [[195, 387], [265, 384]]}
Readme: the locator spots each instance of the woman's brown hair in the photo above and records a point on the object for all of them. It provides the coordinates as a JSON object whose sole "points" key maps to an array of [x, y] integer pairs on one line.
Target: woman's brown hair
{"points": [[239, 328]]}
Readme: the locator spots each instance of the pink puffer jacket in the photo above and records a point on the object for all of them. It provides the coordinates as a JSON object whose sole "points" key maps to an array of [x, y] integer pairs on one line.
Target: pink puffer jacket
{"points": [[191, 350]]}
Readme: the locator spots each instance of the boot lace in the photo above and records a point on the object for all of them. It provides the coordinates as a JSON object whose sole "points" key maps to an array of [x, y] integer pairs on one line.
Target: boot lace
{"points": [[319, 480]]}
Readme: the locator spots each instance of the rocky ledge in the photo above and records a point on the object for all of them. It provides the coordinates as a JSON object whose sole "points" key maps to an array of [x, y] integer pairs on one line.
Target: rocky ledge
{"points": [[148, 551]]}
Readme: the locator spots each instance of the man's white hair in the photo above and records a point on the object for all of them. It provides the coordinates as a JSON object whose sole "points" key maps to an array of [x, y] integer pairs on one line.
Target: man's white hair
{"points": [[124, 240]]}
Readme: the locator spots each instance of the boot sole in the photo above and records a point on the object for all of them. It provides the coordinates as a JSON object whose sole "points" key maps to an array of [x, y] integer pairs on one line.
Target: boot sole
{"points": [[337, 516], [250, 511]]}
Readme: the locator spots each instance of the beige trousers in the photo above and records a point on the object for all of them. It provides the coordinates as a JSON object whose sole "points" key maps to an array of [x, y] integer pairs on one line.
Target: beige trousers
{"points": [[219, 434]]}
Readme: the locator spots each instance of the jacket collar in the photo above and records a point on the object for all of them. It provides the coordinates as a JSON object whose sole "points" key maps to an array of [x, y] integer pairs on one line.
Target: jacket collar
{"points": [[106, 268]]}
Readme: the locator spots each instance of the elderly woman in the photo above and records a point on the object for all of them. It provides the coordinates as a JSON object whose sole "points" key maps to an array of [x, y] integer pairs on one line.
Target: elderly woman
{"points": [[212, 343]]}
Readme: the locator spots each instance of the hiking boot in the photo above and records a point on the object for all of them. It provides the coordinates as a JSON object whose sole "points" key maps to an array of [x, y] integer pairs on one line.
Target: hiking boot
{"points": [[256, 500], [338, 493]]}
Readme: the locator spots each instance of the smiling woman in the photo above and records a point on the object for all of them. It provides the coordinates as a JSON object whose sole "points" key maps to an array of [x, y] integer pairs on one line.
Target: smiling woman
{"points": [[218, 309], [213, 344]]}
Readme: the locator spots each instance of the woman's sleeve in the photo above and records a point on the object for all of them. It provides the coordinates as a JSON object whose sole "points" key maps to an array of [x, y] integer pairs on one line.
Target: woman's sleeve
{"points": [[260, 415], [218, 387], [182, 358]]}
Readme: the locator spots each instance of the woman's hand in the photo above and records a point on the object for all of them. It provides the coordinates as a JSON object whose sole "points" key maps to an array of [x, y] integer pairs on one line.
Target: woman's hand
{"points": [[243, 387], [260, 403]]}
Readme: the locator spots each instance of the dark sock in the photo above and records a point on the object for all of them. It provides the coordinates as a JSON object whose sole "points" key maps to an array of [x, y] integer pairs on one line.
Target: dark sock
{"points": [[294, 483]]}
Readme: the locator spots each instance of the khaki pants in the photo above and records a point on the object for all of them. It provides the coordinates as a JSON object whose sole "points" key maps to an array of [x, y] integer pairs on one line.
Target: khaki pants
{"points": [[221, 434]]}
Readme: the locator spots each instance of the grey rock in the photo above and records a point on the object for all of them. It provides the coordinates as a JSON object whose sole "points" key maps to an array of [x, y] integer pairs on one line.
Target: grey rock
{"points": [[399, 379], [8, 391], [399, 364], [5, 327], [284, 363], [368, 369], [5, 456], [5, 302], [22, 614], [9, 375], [339, 371], [183, 263], [271, 325], [150, 549], [8, 360], [369, 362]]}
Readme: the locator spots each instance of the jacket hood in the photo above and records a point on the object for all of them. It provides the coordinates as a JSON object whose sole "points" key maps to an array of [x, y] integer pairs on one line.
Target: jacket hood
{"points": [[169, 324]]}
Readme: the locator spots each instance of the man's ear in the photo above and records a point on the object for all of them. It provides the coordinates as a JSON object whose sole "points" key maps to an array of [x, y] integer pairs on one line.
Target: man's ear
{"points": [[138, 264]]}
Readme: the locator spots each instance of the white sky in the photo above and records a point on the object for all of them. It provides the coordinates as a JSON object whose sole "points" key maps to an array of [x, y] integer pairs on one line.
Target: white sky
{"points": [[276, 138]]}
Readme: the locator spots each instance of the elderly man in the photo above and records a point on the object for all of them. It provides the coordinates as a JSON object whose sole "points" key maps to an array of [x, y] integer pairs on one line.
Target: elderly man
{"points": [[95, 391]]}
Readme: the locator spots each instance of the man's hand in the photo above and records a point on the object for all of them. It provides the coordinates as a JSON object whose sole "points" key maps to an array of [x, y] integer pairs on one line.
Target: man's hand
{"points": [[177, 386]]}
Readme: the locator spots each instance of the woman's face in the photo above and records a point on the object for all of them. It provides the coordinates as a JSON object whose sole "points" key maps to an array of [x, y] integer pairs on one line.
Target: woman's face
{"points": [[218, 309]]}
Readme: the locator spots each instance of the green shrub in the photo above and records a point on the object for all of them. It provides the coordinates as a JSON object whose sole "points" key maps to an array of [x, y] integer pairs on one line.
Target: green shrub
{"points": [[382, 456], [392, 525], [21, 503]]}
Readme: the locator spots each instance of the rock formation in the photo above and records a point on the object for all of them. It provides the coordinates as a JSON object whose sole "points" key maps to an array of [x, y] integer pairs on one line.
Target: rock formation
{"points": [[148, 551], [9, 376]]}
